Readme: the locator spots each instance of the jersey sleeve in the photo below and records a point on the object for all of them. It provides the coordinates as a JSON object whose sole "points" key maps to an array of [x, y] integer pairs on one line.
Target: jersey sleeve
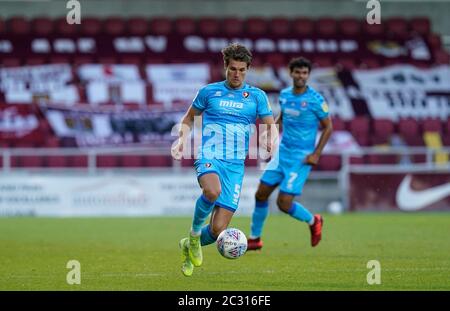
{"points": [[321, 108], [200, 101], [263, 105]]}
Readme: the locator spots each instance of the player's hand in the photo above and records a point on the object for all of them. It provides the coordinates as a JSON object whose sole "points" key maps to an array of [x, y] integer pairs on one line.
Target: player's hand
{"points": [[177, 149], [312, 159]]}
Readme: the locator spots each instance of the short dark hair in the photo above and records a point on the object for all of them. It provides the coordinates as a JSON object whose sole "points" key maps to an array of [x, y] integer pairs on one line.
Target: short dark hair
{"points": [[237, 52], [299, 62]]}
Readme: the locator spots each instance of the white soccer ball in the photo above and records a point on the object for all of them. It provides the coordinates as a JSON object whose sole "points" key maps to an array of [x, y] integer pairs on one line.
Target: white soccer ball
{"points": [[232, 243]]}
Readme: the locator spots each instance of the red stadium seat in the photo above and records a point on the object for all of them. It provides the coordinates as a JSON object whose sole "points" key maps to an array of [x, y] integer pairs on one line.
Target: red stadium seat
{"points": [[349, 26], [302, 26], [114, 26], [107, 60], [82, 59], [410, 131], [347, 63], [59, 59], [373, 29], [322, 61], [256, 26], [232, 26], [11, 62], [91, 26], [338, 124], [185, 25], [370, 63], [61, 27], [329, 162], [382, 130], [359, 128], [187, 162], [35, 60], [276, 60], [383, 159], [209, 26], [160, 26], [432, 125], [441, 57], [326, 26], [2, 26], [42, 26], [138, 26], [397, 26], [420, 25], [131, 59], [18, 26], [280, 26]]}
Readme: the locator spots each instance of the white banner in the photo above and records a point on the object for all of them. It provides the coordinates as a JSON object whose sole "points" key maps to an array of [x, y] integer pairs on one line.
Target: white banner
{"points": [[402, 91], [178, 72], [114, 195], [109, 73], [171, 91], [101, 92]]}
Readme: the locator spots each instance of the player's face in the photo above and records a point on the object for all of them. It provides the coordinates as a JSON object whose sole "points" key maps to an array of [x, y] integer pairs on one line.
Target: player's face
{"points": [[300, 76], [235, 73]]}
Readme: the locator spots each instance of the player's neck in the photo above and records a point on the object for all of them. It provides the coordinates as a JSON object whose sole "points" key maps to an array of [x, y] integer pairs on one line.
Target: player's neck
{"points": [[227, 84], [299, 90]]}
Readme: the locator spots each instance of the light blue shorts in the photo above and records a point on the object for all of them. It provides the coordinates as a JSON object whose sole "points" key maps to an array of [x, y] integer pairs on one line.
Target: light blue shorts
{"points": [[290, 176], [230, 175]]}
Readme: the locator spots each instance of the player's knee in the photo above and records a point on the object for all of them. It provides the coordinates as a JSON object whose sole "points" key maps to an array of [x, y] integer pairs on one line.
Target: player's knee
{"points": [[212, 194], [261, 196], [283, 204], [216, 229]]}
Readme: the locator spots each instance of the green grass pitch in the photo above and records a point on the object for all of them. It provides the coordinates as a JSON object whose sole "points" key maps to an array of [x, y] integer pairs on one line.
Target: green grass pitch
{"points": [[143, 254]]}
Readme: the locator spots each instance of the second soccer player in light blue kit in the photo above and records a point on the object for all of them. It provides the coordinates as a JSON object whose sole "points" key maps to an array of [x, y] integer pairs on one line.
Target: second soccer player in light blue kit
{"points": [[229, 109], [303, 110]]}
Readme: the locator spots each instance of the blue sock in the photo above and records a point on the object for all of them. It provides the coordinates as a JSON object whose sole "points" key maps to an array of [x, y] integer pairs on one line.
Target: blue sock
{"points": [[258, 218], [207, 238], [203, 208], [299, 212]]}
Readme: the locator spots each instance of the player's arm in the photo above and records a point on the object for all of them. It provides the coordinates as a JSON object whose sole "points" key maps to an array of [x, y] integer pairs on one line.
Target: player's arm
{"points": [[327, 129], [184, 132], [271, 131], [279, 120]]}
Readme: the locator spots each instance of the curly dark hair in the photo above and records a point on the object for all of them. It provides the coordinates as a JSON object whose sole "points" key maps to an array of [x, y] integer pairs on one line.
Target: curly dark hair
{"points": [[299, 62], [237, 52]]}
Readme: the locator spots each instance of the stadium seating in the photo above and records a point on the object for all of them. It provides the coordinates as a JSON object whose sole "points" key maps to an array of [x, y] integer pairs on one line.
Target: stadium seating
{"points": [[367, 132]]}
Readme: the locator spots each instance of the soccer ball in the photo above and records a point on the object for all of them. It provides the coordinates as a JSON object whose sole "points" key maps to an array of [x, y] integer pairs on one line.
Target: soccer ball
{"points": [[232, 243]]}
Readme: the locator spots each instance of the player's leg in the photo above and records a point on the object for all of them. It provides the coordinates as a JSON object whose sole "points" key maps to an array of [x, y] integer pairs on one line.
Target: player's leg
{"points": [[260, 213], [292, 186], [227, 203], [211, 187]]}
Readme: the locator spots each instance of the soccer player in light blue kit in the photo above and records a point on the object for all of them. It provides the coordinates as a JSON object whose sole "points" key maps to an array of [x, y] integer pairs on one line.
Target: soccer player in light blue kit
{"points": [[303, 110], [229, 109]]}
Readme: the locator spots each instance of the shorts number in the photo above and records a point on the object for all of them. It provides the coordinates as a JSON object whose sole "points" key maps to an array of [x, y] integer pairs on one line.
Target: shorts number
{"points": [[292, 177], [237, 190]]}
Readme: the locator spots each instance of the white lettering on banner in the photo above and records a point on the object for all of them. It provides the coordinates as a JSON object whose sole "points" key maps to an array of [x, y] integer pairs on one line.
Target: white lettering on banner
{"points": [[404, 91], [5, 46], [40, 46], [129, 45], [109, 196], [12, 122], [64, 46], [198, 44], [86, 45], [156, 43]]}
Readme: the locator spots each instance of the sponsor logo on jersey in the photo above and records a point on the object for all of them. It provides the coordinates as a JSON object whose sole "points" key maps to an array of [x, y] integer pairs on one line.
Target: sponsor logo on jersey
{"points": [[218, 93], [325, 107], [231, 104]]}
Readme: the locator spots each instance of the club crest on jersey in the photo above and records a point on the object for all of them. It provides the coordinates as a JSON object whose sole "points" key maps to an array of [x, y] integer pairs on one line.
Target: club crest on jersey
{"points": [[207, 165], [304, 106], [245, 94]]}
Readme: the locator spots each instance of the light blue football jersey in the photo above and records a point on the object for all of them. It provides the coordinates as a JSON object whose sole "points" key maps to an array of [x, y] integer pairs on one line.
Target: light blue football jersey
{"points": [[228, 121], [302, 114]]}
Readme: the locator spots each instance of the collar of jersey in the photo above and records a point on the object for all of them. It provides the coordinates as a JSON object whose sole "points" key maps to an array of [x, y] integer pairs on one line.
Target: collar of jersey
{"points": [[302, 94], [244, 85]]}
